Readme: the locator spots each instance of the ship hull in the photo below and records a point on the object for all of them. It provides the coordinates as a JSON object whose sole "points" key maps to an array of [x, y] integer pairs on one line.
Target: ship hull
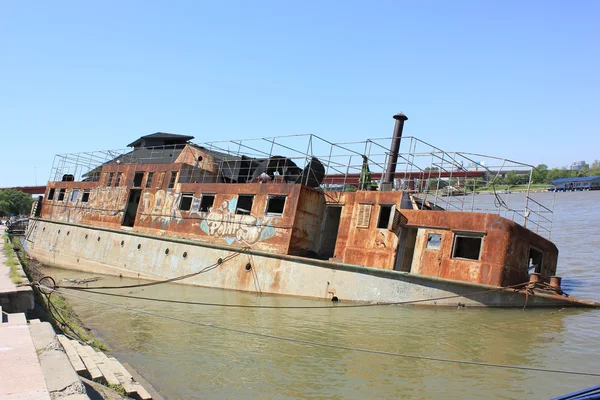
{"points": [[131, 254]]}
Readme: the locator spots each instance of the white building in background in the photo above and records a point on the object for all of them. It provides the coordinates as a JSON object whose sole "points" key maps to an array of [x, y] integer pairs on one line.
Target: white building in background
{"points": [[577, 165]]}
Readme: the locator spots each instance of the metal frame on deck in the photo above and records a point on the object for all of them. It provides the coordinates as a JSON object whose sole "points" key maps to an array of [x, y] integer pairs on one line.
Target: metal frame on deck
{"points": [[441, 179]]}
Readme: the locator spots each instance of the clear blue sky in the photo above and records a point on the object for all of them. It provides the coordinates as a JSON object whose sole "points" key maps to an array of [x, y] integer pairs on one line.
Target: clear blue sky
{"points": [[518, 79]]}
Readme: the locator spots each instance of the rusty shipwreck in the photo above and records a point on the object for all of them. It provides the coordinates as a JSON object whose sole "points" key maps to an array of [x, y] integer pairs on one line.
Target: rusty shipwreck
{"points": [[362, 221]]}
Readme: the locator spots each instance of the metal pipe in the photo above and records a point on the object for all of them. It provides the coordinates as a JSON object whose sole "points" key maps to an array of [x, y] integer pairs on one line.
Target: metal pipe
{"points": [[394, 148]]}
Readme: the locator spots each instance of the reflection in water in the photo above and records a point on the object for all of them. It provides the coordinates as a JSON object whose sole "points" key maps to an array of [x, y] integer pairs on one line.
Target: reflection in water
{"points": [[185, 361]]}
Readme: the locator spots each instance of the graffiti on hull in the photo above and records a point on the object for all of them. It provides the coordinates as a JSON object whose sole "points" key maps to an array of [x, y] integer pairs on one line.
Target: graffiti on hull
{"points": [[223, 222], [161, 206]]}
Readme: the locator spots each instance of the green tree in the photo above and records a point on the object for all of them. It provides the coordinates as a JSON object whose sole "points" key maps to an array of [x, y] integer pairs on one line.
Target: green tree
{"points": [[540, 174], [14, 202], [512, 178]]}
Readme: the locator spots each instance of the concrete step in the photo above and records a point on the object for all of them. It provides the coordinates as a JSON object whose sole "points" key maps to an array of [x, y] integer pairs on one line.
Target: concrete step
{"points": [[102, 362], [133, 388], [93, 372], [34, 321], [74, 358], [61, 379], [16, 319]]}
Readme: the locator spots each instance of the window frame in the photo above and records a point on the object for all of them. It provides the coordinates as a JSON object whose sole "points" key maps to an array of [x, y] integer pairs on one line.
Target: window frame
{"points": [[61, 194], [429, 236], [141, 180], [74, 197], [173, 179], [390, 220], [469, 235], [213, 195], [275, 214], [85, 196], [237, 205], [51, 193], [149, 177], [186, 195], [111, 176]]}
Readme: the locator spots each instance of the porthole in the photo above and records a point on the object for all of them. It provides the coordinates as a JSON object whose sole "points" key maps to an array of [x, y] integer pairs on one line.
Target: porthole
{"points": [[68, 232], [98, 238], [248, 267], [59, 231], [184, 255], [167, 251], [43, 229], [122, 243], [86, 235], [219, 261], [139, 246]]}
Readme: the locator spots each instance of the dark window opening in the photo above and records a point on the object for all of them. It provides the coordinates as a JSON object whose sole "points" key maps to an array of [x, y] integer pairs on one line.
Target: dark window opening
{"points": [[51, 194], [173, 179], [119, 176], [275, 205], [467, 247], [207, 202], [244, 204], [535, 260], [384, 216], [137, 179], [110, 178], [149, 180], [434, 241], [61, 194], [85, 197], [186, 201]]}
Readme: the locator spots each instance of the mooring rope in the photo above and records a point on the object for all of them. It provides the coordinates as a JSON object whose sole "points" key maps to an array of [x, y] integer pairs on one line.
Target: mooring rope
{"points": [[334, 346]]}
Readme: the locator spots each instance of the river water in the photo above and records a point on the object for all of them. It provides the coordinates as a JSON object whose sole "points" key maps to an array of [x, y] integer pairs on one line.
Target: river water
{"points": [[190, 361]]}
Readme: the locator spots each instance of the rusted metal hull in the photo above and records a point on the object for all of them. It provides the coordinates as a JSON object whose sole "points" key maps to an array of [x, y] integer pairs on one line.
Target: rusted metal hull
{"points": [[134, 254]]}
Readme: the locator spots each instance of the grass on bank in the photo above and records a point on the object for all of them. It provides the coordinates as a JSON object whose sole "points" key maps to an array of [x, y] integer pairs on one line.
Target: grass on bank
{"points": [[513, 188], [54, 308], [12, 262]]}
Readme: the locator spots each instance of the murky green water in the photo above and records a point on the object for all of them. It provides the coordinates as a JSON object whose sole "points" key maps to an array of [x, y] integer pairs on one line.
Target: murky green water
{"points": [[187, 361]]}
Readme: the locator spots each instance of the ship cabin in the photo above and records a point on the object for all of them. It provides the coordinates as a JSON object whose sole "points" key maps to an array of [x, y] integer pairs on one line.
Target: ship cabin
{"points": [[166, 185]]}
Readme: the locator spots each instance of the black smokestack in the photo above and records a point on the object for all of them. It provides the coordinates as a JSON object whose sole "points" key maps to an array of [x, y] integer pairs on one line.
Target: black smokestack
{"points": [[394, 148]]}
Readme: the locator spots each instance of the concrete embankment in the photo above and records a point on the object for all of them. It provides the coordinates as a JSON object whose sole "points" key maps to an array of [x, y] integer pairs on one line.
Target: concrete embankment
{"points": [[13, 298]]}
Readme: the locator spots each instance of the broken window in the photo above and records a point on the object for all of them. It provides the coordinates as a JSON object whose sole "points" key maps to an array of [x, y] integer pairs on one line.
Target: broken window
{"points": [[110, 178], [137, 179], [173, 179], [207, 202], [434, 241], [119, 177], [535, 260], [275, 205], [85, 197], [61, 194], [244, 204], [149, 180], [364, 215], [51, 194], [186, 201], [467, 246], [385, 211], [75, 195]]}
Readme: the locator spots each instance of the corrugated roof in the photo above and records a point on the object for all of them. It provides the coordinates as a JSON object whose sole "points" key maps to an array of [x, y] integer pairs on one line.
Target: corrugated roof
{"points": [[578, 179]]}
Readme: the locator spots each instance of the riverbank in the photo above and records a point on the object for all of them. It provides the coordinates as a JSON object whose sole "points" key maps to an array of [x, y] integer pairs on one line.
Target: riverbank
{"points": [[35, 362]]}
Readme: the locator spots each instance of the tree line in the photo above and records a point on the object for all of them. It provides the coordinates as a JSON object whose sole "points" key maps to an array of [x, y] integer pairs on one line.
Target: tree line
{"points": [[14, 202]]}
